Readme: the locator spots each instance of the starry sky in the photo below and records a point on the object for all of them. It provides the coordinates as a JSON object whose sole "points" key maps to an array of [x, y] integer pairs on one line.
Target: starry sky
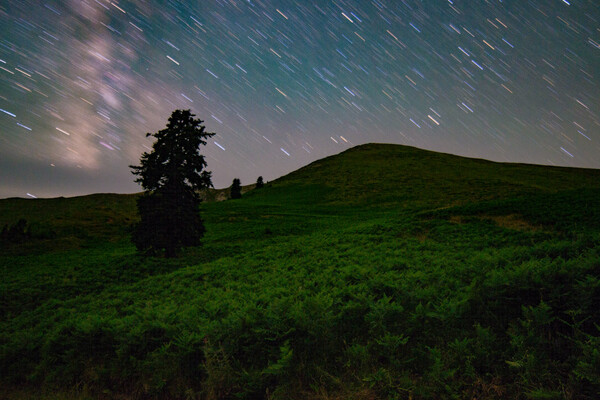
{"points": [[284, 83]]}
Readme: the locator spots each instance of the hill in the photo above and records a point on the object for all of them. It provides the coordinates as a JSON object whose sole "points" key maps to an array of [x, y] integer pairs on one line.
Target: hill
{"points": [[385, 173], [382, 272]]}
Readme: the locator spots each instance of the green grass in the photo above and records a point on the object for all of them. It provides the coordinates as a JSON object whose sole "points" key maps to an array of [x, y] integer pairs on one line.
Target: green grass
{"points": [[383, 272]]}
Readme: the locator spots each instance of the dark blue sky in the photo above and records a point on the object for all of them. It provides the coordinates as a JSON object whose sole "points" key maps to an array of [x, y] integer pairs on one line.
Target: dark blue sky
{"points": [[284, 83]]}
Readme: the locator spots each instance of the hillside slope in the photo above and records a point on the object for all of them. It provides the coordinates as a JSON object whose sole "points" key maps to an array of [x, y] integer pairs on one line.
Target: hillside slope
{"points": [[382, 272], [387, 173]]}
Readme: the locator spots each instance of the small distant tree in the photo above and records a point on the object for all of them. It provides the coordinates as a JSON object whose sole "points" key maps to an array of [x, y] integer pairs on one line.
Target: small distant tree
{"points": [[236, 189], [259, 182], [171, 175]]}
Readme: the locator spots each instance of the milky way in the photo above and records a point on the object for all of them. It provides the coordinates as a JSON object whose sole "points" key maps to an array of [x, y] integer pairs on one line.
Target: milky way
{"points": [[284, 83]]}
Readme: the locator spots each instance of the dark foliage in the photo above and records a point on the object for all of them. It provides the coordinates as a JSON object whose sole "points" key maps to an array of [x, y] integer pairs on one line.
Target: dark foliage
{"points": [[171, 175], [236, 189], [16, 233], [169, 220], [259, 182]]}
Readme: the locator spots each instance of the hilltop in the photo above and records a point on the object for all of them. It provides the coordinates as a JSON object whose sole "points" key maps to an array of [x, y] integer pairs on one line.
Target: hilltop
{"points": [[387, 173], [382, 272]]}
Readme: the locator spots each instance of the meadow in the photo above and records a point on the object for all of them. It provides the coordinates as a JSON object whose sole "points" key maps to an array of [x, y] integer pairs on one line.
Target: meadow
{"points": [[384, 272]]}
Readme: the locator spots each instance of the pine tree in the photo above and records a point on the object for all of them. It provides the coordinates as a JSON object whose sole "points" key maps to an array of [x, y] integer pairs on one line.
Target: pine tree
{"points": [[236, 189], [259, 182], [171, 175]]}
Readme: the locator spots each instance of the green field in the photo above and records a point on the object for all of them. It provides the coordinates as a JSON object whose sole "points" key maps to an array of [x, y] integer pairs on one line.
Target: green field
{"points": [[384, 272]]}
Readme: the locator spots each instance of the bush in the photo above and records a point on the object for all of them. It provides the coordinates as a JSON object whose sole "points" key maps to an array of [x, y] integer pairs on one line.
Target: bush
{"points": [[17, 233]]}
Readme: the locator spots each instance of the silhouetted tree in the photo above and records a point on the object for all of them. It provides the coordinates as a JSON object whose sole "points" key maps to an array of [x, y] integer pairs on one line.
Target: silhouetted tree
{"points": [[236, 189], [259, 182], [171, 174]]}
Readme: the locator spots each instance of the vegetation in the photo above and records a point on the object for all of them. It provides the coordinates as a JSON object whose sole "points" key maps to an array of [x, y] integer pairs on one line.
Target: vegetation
{"points": [[383, 272], [172, 176], [15, 233], [259, 182], [236, 189]]}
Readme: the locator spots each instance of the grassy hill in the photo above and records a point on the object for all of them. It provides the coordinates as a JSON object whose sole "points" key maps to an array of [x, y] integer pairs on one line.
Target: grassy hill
{"points": [[382, 272]]}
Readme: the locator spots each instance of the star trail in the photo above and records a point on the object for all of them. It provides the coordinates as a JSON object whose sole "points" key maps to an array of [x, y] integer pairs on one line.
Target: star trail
{"points": [[284, 83]]}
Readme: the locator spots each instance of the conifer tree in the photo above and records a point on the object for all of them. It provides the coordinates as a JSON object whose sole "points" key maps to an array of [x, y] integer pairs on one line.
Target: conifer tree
{"points": [[259, 182], [171, 175], [236, 189]]}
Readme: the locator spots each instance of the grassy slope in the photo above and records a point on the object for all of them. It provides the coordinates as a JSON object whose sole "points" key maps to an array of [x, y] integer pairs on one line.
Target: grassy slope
{"points": [[386, 271]]}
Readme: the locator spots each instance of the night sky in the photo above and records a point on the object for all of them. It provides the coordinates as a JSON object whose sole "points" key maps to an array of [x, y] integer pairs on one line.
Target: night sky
{"points": [[284, 83]]}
